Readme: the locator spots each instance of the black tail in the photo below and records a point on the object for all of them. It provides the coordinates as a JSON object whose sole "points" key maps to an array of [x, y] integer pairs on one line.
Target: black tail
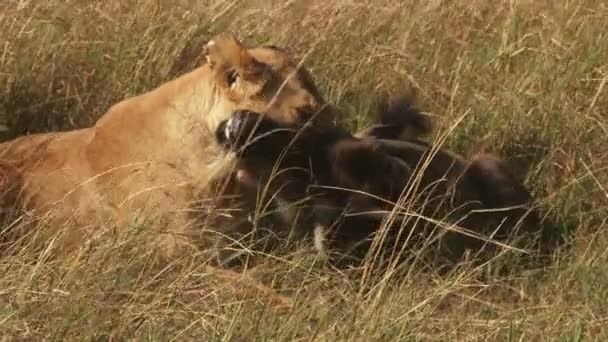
{"points": [[398, 119]]}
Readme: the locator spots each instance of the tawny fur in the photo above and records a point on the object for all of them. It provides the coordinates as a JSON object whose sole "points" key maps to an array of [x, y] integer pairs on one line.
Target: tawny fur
{"points": [[155, 154]]}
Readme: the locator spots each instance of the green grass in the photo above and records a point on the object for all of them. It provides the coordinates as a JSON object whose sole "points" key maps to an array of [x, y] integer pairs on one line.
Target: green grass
{"points": [[529, 76]]}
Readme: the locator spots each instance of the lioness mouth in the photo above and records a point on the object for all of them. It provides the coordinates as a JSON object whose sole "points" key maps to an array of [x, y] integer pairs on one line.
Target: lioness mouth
{"points": [[232, 132], [228, 130]]}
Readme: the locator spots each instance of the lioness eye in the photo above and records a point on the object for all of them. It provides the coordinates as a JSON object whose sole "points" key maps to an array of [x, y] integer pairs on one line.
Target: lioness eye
{"points": [[232, 77]]}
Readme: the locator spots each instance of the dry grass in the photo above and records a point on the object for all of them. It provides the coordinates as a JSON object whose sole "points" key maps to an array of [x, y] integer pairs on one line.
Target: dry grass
{"points": [[529, 75]]}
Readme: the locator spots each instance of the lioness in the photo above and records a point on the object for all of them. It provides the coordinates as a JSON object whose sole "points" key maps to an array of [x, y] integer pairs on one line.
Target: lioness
{"points": [[357, 181], [155, 154]]}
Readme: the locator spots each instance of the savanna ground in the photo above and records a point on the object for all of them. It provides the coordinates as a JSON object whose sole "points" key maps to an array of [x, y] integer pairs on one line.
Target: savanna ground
{"points": [[526, 79]]}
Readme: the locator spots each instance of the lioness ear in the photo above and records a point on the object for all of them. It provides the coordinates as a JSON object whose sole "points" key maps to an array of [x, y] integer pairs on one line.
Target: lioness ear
{"points": [[226, 50]]}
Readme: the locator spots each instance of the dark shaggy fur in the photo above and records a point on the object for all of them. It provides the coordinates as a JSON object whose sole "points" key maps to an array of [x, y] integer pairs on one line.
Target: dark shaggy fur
{"points": [[398, 119], [353, 182]]}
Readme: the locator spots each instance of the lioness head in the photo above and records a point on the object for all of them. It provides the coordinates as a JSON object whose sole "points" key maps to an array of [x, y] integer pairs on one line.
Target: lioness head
{"points": [[265, 79]]}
